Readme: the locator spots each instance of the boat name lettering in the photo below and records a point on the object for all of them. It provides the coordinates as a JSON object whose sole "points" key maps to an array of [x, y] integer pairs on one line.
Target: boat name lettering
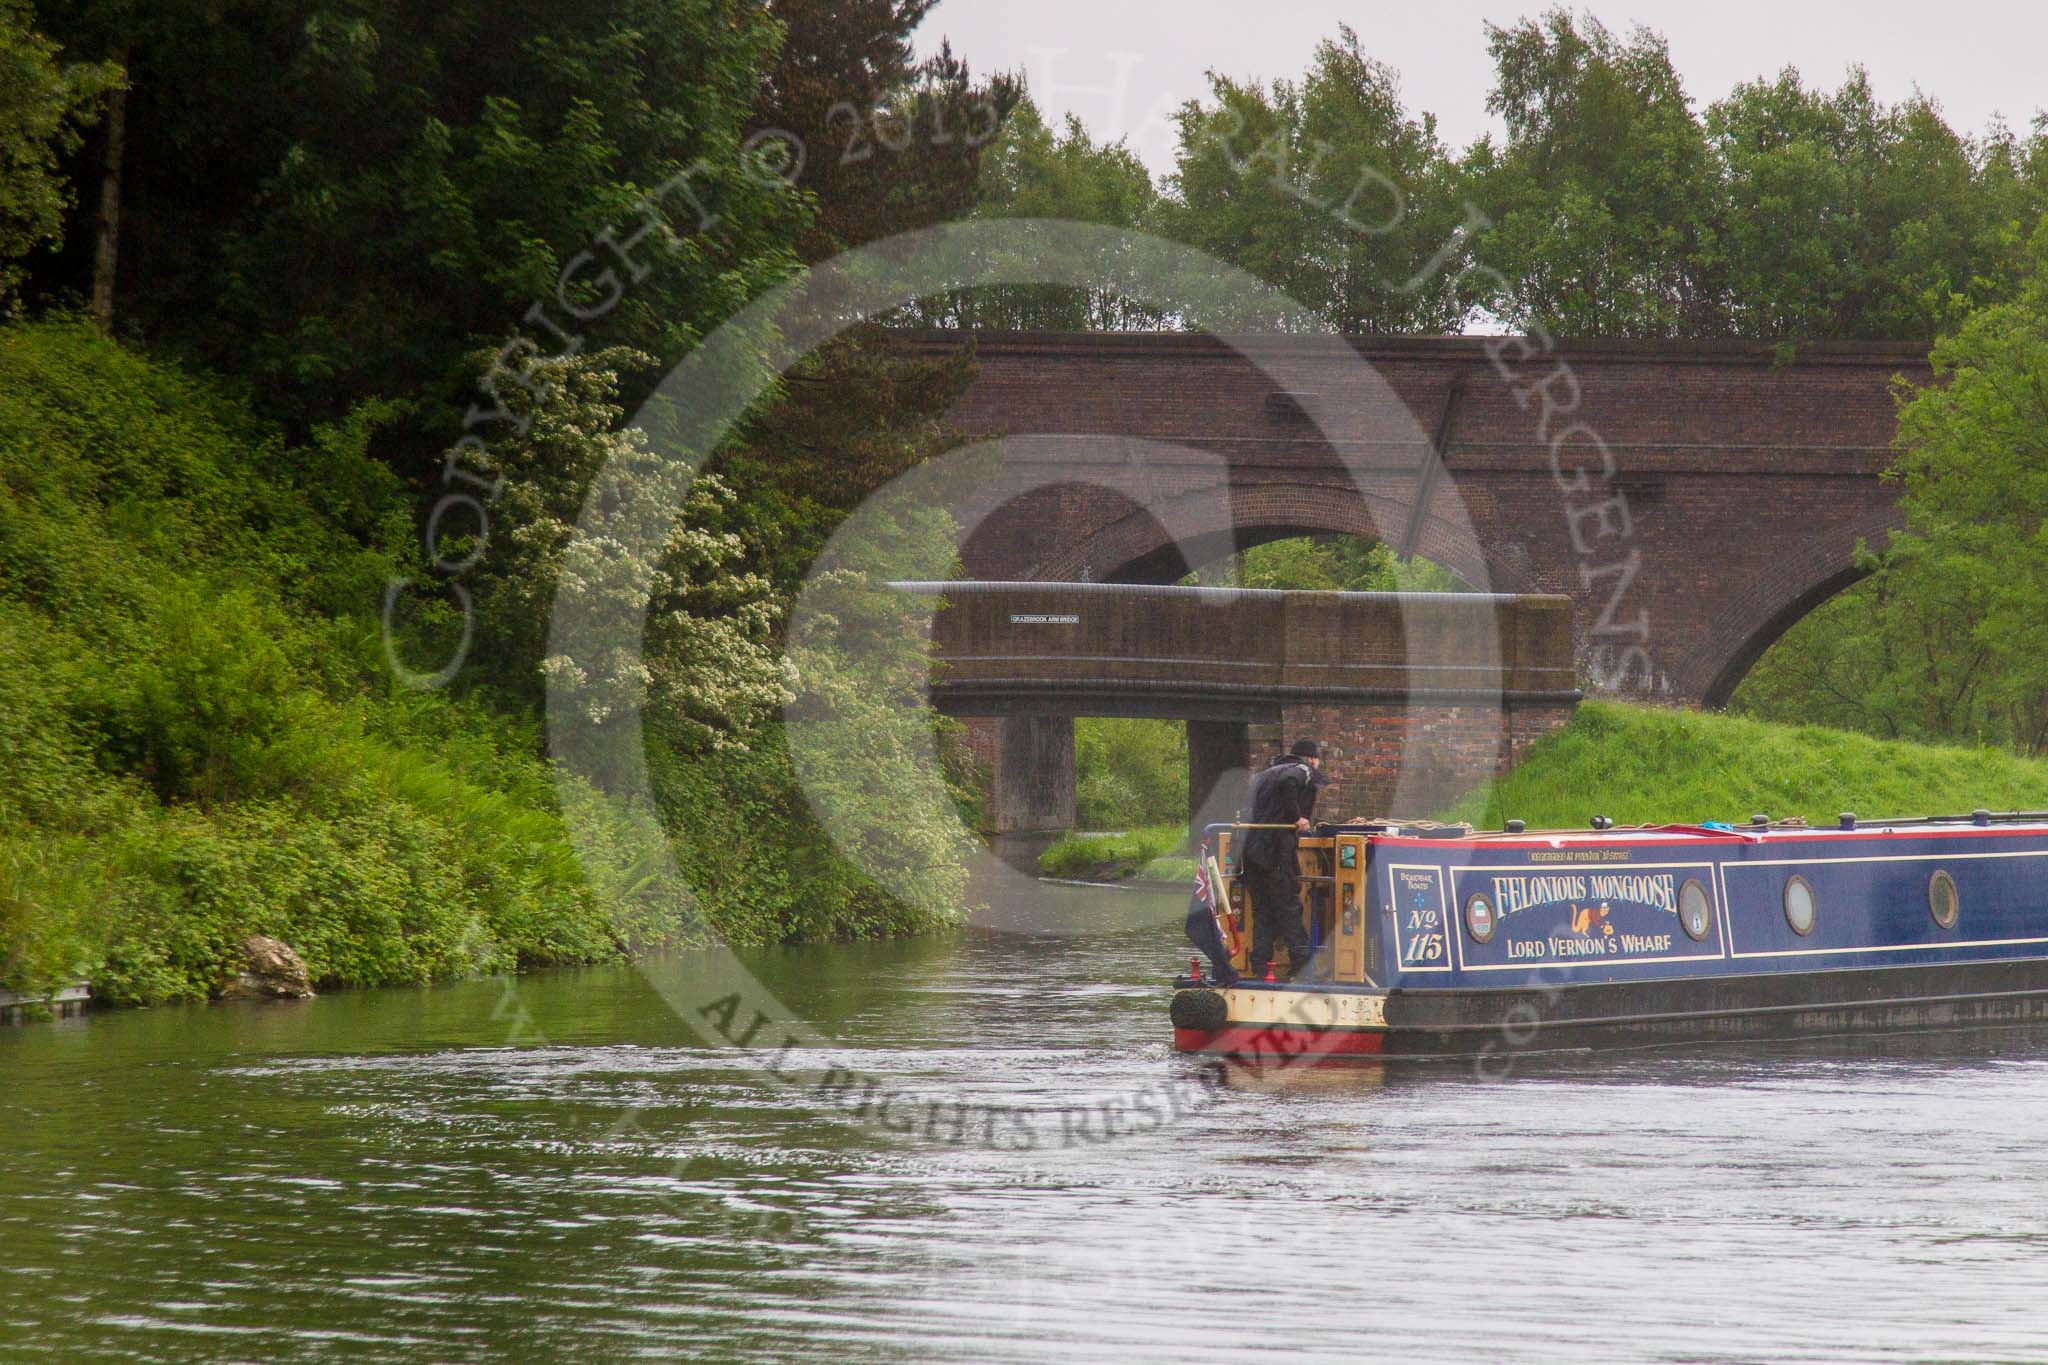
{"points": [[1657, 890]]}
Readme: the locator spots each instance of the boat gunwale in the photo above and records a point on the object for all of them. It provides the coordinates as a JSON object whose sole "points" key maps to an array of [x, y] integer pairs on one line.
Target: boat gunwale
{"points": [[1683, 836]]}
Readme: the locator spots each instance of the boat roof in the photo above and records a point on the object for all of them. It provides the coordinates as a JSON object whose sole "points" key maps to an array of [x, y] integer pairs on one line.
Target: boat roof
{"points": [[1758, 830]]}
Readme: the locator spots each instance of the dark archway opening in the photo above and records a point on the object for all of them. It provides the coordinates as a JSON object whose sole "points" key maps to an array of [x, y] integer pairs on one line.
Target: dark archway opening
{"points": [[1288, 556], [1285, 557], [1723, 690]]}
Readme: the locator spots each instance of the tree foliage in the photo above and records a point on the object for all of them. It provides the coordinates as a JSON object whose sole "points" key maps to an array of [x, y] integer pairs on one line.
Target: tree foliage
{"points": [[1328, 189], [1602, 194], [1611, 205], [1326, 563], [1031, 171], [704, 662], [888, 144], [1781, 213], [342, 200], [1946, 638], [850, 417], [45, 104], [339, 203], [1844, 217]]}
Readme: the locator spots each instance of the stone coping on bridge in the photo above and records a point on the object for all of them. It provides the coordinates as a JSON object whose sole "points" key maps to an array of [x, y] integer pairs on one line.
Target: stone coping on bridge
{"points": [[1237, 653], [935, 587], [1647, 349]]}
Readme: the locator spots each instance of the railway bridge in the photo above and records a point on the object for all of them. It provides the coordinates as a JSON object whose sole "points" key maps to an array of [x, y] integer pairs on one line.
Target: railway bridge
{"points": [[1692, 500]]}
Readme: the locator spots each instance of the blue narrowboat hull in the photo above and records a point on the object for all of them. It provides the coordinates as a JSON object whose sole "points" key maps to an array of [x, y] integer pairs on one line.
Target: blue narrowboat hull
{"points": [[1495, 944]]}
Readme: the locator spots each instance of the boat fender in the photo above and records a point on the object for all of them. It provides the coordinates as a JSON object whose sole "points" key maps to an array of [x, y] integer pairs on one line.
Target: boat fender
{"points": [[1199, 1009]]}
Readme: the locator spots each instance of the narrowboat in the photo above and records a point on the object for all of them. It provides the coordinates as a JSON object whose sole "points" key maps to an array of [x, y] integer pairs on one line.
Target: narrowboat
{"points": [[1432, 941]]}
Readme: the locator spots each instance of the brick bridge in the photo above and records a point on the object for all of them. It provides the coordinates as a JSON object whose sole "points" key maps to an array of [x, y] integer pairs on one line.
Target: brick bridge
{"points": [[1418, 696], [1692, 500]]}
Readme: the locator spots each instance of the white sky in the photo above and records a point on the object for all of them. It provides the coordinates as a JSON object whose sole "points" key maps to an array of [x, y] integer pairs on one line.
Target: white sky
{"points": [[1124, 65]]}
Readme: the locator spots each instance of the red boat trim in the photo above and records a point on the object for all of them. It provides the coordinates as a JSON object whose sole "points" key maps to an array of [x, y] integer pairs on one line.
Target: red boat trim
{"points": [[1264, 1040]]}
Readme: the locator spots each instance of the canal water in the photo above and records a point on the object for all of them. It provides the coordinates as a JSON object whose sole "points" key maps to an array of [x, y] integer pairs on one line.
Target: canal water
{"points": [[554, 1167]]}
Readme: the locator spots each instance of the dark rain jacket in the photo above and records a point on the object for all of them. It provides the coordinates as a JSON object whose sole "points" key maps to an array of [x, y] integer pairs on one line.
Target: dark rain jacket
{"points": [[1283, 793]]}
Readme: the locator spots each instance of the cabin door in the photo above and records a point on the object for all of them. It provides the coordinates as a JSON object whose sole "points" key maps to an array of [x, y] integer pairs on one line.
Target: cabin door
{"points": [[1350, 926]]}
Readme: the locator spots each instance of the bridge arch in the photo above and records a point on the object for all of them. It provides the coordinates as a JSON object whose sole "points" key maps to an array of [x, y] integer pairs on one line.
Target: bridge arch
{"points": [[1817, 566]]}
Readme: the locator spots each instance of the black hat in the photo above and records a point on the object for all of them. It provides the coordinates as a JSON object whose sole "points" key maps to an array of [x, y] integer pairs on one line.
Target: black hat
{"points": [[1306, 748]]}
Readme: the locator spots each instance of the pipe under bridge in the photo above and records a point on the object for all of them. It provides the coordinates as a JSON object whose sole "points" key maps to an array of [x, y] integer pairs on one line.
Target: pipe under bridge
{"points": [[1416, 697]]}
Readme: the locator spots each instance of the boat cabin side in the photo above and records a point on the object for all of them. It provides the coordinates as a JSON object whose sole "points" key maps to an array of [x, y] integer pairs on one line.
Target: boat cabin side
{"points": [[1431, 940], [1429, 907]]}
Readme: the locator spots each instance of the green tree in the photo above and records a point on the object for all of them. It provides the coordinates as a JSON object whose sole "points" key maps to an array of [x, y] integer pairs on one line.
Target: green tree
{"points": [[1326, 188], [1974, 457], [342, 199], [889, 143], [1603, 194], [1844, 217], [1325, 563], [850, 418], [1033, 171], [705, 665], [45, 104], [1946, 638]]}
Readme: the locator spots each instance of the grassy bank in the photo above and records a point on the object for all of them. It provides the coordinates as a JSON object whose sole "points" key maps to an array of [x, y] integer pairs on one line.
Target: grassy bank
{"points": [[200, 739], [1648, 765], [1152, 853]]}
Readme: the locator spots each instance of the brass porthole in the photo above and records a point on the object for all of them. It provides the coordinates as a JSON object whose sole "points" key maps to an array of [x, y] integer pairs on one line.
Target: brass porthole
{"points": [[1800, 906], [1480, 919], [1941, 899], [1695, 910]]}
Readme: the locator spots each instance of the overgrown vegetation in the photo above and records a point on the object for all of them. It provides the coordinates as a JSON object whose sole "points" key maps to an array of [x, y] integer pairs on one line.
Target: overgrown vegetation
{"points": [[201, 740], [347, 231], [1129, 772], [1149, 853], [1648, 765], [1326, 563]]}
